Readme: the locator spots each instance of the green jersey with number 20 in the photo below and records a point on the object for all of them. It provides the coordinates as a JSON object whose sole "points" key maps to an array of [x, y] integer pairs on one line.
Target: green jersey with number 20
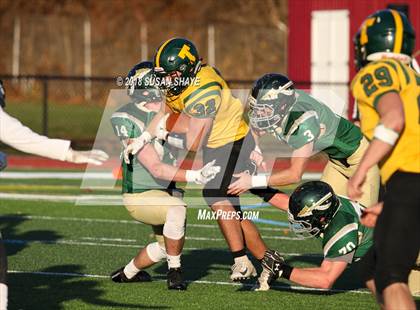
{"points": [[345, 238], [129, 122], [312, 121]]}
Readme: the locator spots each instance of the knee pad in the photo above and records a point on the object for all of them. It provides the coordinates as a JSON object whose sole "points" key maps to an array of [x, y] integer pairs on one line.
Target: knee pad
{"points": [[174, 227], [155, 252]]}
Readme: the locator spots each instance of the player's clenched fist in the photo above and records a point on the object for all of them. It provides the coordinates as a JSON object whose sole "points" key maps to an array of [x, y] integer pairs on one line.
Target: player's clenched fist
{"points": [[204, 175]]}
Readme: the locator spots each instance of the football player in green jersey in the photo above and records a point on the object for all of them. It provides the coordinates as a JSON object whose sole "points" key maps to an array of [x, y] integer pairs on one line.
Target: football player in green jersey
{"points": [[218, 127], [316, 211], [149, 191], [308, 126]]}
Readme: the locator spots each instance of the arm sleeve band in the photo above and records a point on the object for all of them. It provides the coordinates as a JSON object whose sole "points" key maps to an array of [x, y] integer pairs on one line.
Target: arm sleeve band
{"points": [[385, 134], [287, 271], [259, 181]]}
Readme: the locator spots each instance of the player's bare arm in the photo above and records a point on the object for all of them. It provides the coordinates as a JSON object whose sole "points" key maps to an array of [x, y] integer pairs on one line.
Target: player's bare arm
{"points": [[257, 155], [187, 133], [291, 175], [150, 159], [323, 276], [390, 109], [198, 131]]}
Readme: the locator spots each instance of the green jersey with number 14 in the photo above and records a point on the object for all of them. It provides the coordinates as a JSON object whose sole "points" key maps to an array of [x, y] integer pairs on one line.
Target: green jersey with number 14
{"points": [[312, 121], [345, 238], [129, 122]]}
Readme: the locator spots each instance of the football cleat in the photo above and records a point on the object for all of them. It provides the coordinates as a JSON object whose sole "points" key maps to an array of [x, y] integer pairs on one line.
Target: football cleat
{"points": [[242, 270], [175, 280], [119, 276]]}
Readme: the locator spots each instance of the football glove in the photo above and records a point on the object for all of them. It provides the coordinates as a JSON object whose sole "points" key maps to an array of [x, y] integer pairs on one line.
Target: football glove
{"points": [[136, 145], [161, 133], [273, 262], [3, 161], [257, 157], [95, 157], [204, 175]]}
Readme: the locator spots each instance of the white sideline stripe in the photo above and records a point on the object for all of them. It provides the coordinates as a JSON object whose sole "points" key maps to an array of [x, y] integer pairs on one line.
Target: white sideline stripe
{"points": [[76, 242], [93, 175], [93, 220], [279, 286], [58, 198], [57, 175], [109, 239], [82, 199]]}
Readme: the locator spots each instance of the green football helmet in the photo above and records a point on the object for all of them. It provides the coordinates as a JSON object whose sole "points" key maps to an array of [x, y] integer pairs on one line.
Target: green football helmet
{"points": [[271, 97], [312, 205], [176, 62], [384, 33], [141, 84]]}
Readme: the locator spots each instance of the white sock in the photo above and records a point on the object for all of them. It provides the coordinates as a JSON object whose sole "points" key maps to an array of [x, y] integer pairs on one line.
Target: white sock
{"points": [[174, 261], [130, 270], [3, 296], [241, 259]]}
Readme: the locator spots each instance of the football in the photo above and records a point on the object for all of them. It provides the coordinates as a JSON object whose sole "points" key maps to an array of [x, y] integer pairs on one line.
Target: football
{"points": [[178, 122]]}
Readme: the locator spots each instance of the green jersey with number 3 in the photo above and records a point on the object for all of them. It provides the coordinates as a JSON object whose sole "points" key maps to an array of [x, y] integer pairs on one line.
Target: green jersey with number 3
{"points": [[309, 120], [345, 239], [129, 122]]}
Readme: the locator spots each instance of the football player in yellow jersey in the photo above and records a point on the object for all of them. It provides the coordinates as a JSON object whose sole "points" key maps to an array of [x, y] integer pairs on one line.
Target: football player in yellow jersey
{"points": [[217, 122], [387, 92]]}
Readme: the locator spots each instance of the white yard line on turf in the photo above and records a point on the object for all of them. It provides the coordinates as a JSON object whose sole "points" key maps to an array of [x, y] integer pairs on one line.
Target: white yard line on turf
{"points": [[23, 175], [277, 286], [92, 175], [96, 220], [80, 199], [101, 244]]}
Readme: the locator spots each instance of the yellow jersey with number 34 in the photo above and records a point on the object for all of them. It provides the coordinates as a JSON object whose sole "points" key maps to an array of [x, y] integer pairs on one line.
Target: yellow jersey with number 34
{"points": [[208, 96], [373, 81]]}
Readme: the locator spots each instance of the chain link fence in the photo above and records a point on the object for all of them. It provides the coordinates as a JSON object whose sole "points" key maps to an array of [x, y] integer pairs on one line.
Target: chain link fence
{"points": [[55, 105]]}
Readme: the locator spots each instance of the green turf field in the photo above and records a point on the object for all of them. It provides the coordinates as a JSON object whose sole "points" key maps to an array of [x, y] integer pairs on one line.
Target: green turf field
{"points": [[61, 255]]}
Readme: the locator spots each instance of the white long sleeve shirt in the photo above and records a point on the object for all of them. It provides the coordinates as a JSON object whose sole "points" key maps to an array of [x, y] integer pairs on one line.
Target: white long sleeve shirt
{"points": [[22, 138]]}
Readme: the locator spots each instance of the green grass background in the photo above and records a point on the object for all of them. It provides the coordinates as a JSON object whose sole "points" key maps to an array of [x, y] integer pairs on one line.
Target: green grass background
{"points": [[35, 245]]}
